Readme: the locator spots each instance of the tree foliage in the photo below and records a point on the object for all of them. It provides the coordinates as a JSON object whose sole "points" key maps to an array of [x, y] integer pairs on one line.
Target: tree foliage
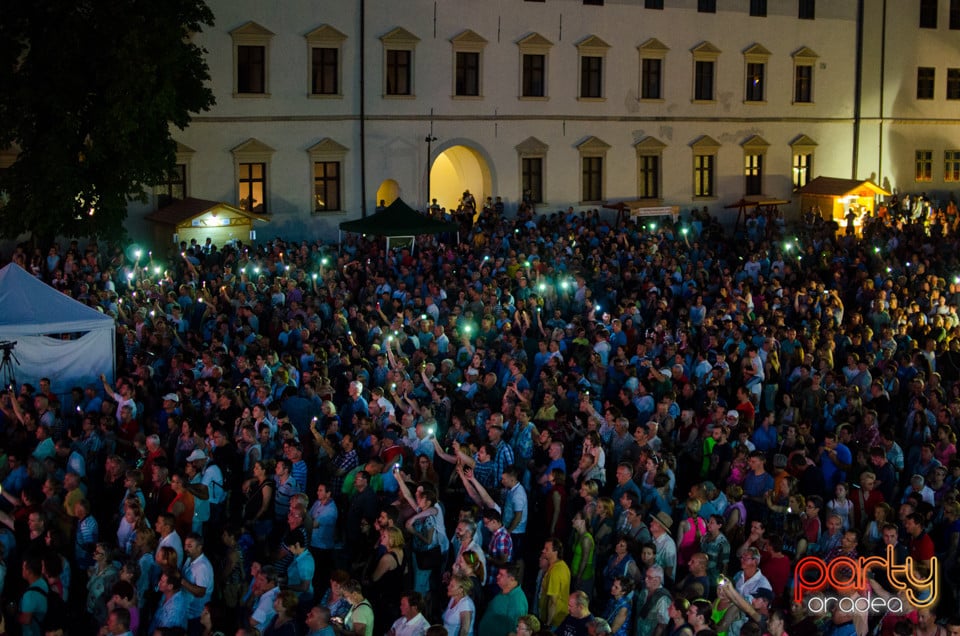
{"points": [[89, 92]]}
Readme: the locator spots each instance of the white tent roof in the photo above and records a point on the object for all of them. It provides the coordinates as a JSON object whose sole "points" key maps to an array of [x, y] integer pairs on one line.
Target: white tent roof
{"points": [[31, 307]]}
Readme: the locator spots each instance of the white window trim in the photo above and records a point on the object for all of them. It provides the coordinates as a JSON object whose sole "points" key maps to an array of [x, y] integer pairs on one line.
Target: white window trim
{"points": [[533, 148], [653, 49], [592, 46], [756, 54], [253, 151], [704, 145], [650, 147], [252, 34], [328, 150], [804, 57], [535, 44], [802, 145], [756, 145], [467, 41], [325, 37], [400, 39], [589, 148], [704, 52], [184, 155]]}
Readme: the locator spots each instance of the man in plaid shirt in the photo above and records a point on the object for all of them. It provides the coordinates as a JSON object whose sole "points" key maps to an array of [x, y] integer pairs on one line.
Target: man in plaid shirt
{"points": [[500, 548]]}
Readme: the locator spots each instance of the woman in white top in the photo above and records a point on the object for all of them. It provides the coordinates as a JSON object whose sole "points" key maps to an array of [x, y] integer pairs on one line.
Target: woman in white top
{"points": [[460, 613]]}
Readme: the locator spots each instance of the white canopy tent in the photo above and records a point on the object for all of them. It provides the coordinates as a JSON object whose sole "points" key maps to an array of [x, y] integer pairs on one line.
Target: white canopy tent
{"points": [[57, 337]]}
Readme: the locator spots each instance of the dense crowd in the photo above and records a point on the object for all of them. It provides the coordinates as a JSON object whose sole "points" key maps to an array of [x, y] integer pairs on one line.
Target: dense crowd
{"points": [[563, 424]]}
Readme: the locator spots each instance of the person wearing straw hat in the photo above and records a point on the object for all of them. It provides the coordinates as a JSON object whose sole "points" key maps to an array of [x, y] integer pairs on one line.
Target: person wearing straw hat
{"points": [[660, 525]]}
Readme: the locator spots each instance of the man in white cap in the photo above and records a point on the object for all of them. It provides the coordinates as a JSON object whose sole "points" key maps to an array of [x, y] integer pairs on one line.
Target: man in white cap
{"points": [[210, 476]]}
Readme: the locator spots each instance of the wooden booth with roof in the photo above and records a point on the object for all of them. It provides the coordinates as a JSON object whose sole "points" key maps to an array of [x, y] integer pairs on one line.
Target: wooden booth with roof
{"points": [[201, 219], [835, 198], [642, 208]]}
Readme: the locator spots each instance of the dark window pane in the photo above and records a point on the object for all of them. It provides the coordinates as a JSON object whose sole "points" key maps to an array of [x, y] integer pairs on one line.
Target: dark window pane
{"points": [[755, 72], [806, 9], [398, 72], [703, 81], [758, 8], [468, 74], [325, 72], [532, 169], [591, 76], [650, 87], [707, 6], [803, 84], [592, 178], [926, 77], [534, 84], [928, 14], [251, 69]]}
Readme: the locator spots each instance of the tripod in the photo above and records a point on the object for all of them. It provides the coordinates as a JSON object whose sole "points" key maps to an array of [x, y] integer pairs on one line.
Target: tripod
{"points": [[6, 364]]}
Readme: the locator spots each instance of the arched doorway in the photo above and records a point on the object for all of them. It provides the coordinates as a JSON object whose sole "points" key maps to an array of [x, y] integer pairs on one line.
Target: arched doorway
{"points": [[458, 168], [388, 192]]}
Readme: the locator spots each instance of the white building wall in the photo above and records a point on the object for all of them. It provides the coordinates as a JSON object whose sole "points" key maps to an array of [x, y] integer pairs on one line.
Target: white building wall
{"points": [[290, 121]]}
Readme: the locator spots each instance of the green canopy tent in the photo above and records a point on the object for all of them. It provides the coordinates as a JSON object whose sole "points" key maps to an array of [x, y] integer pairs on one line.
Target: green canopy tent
{"points": [[399, 221]]}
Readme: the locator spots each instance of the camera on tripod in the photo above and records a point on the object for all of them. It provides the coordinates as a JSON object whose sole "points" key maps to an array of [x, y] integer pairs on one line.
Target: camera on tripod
{"points": [[7, 346]]}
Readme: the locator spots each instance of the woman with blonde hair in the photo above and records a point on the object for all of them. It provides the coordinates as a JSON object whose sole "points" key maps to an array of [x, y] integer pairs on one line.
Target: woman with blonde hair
{"points": [[459, 616], [386, 583], [692, 529]]}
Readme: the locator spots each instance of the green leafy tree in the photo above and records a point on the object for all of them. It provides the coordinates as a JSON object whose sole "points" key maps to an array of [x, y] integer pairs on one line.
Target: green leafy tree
{"points": [[89, 93]]}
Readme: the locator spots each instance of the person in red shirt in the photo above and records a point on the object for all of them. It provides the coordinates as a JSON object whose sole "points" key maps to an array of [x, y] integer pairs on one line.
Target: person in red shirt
{"points": [[918, 542], [775, 565], [865, 499]]}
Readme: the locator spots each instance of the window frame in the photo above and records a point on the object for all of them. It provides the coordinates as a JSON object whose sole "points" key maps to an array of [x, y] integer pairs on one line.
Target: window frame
{"points": [[923, 166], [253, 151], [951, 165], [467, 42], [806, 9], [325, 38], [928, 14], [652, 50], [802, 146], [758, 8], [953, 84], [703, 53], [534, 45], [647, 149], [926, 83], [754, 165], [593, 161], [804, 57], [704, 148], [327, 151], [755, 59], [247, 36], [183, 157], [399, 40], [532, 148], [594, 49]]}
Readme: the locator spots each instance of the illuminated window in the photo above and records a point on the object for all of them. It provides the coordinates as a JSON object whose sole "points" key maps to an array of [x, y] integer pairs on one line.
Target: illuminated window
{"points": [[704, 167], [802, 149], [754, 156], [924, 165], [327, 161], [951, 165], [252, 161]]}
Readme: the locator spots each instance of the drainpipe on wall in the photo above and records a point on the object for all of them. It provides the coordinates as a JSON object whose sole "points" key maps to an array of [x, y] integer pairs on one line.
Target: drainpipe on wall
{"points": [[363, 111], [858, 92]]}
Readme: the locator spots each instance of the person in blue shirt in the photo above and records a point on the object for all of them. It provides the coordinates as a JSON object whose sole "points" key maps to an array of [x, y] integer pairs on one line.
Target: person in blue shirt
{"points": [[765, 436], [173, 605], [301, 569], [33, 603]]}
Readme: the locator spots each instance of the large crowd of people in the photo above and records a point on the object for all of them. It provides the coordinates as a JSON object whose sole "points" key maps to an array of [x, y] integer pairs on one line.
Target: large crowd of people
{"points": [[564, 423]]}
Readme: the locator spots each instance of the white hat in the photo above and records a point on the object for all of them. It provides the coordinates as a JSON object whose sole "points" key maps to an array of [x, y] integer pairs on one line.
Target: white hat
{"points": [[196, 455], [173, 397]]}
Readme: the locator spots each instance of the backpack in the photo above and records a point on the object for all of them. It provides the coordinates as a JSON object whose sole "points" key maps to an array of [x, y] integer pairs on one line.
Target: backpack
{"points": [[57, 615]]}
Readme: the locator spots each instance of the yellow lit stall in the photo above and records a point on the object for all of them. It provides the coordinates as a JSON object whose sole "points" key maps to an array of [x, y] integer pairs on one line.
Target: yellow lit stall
{"points": [[841, 200]]}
